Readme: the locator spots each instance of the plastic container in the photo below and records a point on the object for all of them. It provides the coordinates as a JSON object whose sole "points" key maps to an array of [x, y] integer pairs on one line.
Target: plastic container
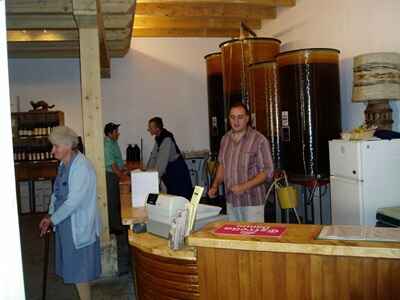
{"points": [[129, 153]]}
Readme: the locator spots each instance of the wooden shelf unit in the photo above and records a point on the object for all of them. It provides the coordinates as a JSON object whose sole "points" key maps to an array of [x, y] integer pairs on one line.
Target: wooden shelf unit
{"points": [[32, 151]]}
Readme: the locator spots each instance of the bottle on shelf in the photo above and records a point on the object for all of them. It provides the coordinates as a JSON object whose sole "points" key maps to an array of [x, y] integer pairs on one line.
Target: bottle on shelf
{"points": [[136, 153], [42, 129], [22, 131], [16, 154], [129, 153], [31, 155]]}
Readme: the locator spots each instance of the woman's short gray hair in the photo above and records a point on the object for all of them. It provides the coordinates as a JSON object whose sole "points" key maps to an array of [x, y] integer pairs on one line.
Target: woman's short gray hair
{"points": [[64, 135]]}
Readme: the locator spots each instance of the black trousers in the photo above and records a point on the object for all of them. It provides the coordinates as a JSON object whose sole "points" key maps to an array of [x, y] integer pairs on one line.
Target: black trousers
{"points": [[113, 202], [116, 227], [177, 179]]}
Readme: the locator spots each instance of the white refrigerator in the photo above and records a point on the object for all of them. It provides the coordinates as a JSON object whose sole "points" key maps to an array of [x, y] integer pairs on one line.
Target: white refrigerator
{"points": [[365, 175]]}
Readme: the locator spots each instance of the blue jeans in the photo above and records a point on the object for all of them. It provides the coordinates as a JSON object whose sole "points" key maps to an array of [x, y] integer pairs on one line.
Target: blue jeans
{"points": [[245, 213]]}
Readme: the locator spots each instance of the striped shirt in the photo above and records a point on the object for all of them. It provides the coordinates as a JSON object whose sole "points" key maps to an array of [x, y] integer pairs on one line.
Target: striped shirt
{"points": [[242, 161]]}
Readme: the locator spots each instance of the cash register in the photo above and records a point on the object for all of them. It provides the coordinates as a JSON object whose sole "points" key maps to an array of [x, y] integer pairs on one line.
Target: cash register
{"points": [[162, 208]]}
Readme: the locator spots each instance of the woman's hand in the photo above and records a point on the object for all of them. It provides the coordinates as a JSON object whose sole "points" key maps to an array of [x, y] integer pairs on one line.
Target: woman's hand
{"points": [[44, 225]]}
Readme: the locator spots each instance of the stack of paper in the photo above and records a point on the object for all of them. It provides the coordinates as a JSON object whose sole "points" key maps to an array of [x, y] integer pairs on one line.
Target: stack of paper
{"points": [[359, 233]]}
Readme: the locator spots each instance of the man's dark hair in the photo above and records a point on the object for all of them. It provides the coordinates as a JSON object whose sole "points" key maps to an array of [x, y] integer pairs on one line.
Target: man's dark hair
{"points": [[110, 127], [157, 121], [240, 104]]}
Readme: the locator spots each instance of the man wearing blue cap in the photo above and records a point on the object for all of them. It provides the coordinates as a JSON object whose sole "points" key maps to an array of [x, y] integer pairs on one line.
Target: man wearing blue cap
{"points": [[115, 170]]}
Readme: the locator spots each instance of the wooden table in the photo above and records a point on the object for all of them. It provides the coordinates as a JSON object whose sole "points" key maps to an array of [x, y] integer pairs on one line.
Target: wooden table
{"points": [[295, 266]]}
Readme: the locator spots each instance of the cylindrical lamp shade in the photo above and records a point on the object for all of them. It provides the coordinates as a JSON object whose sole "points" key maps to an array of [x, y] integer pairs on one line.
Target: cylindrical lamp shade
{"points": [[237, 54], [376, 76], [309, 93], [216, 107], [264, 100]]}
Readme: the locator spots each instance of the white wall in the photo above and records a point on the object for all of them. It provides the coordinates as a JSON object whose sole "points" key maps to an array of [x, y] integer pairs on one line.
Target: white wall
{"points": [[55, 81], [11, 277], [352, 26], [164, 77]]}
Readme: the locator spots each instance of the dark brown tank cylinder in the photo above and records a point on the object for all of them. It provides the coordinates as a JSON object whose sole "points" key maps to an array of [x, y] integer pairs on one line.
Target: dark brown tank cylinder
{"points": [[237, 55], [216, 107], [310, 109], [264, 100]]}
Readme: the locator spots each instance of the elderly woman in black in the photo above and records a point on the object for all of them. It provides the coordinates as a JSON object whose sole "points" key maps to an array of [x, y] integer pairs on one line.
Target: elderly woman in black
{"points": [[167, 159]]}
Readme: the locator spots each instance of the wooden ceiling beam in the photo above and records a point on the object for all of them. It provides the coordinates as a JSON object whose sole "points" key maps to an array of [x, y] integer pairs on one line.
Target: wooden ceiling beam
{"points": [[49, 28], [274, 3], [52, 36], [58, 45], [118, 6], [192, 23], [33, 22], [42, 36], [199, 32], [206, 10], [105, 61], [60, 35], [24, 22], [58, 53], [38, 6], [88, 16], [118, 21], [65, 6]]}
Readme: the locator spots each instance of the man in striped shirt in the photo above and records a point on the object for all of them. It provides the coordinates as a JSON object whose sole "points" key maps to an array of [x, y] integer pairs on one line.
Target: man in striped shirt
{"points": [[245, 164]]}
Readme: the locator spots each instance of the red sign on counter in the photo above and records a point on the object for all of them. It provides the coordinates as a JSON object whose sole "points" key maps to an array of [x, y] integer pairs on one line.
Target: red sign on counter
{"points": [[258, 230]]}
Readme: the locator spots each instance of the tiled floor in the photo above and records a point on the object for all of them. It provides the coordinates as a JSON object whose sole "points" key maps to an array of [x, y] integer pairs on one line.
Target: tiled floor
{"points": [[33, 255]]}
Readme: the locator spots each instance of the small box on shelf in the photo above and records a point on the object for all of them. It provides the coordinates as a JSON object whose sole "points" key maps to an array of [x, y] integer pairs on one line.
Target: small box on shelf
{"points": [[43, 190], [24, 197]]}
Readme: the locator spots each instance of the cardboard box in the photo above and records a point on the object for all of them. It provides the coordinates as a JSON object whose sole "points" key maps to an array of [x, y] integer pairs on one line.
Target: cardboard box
{"points": [[143, 183]]}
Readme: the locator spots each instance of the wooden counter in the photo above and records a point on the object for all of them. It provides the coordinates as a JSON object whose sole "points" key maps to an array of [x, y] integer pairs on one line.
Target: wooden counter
{"points": [[131, 215], [297, 239], [160, 272], [294, 267], [152, 244]]}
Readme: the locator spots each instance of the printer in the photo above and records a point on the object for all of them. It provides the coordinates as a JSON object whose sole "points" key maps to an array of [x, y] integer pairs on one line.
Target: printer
{"points": [[162, 208]]}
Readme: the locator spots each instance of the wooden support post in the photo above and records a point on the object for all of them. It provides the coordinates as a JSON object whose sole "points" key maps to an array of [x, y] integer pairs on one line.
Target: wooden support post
{"points": [[92, 112], [85, 13], [93, 131]]}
